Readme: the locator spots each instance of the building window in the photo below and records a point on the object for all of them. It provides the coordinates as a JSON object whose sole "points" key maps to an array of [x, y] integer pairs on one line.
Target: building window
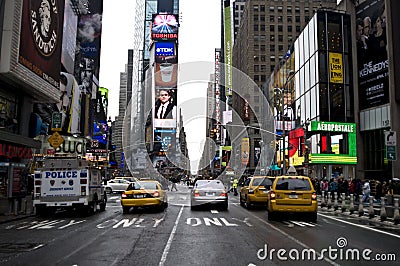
{"points": [[272, 48], [262, 27], [289, 28], [256, 68], [289, 9], [256, 77], [271, 19], [280, 19], [255, 8], [272, 68], [256, 46], [297, 19], [263, 78], [271, 28], [262, 18], [297, 28], [263, 68], [280, 47], [280, 9], [272, 9], [289, 19], [297, 9], [280, 38], [255, 27], [272, 58], [255, 17], [263, 58], [262, 8], [262, 48], [280, 28], [272, 38]]}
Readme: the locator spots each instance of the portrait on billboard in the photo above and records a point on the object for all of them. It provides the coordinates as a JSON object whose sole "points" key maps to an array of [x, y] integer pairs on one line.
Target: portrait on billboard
{"points": [[372, 57], [165, 108], [166, 74]]}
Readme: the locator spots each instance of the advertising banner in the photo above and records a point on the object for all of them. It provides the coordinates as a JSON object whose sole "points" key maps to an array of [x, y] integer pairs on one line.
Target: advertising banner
{"points": [[166, 75], [245, 151], [228, 48], [41, 38], [164, 27], [372, 55], [335, 68], [165, 108], [69, 38]]}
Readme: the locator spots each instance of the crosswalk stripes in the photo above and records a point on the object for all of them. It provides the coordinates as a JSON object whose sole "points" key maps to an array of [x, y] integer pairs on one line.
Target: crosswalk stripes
{"points": [[291, 223]]}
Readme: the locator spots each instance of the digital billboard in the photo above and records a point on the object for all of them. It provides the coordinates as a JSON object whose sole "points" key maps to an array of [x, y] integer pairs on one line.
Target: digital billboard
{"points": [[164, 27], [166, 74], [165, 108], [165, 52]]}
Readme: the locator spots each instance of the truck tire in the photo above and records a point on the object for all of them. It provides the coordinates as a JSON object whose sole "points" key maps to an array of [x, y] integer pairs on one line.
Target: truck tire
{"points": [[103, 203]]}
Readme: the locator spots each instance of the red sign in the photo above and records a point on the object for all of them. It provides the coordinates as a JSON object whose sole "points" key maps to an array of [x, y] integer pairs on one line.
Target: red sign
{"points": [[11, 151]]}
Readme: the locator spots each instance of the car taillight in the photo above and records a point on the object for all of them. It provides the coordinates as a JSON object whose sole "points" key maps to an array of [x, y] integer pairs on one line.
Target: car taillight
{"points": [[196, 193], [83, 181], [314, 196], [123, 195], [223, 194], [156, 194], [272, 195]]}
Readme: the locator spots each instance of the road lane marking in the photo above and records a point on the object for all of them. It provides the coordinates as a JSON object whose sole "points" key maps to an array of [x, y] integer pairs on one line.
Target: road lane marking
{"points": [[214, 211], [360, 225], [294, 239], [171, 237]]}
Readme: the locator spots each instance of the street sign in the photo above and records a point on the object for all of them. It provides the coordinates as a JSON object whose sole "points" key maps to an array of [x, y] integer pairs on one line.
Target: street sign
{"points": [[56, 121], [55, 140], [391, 153], [390, 138]]}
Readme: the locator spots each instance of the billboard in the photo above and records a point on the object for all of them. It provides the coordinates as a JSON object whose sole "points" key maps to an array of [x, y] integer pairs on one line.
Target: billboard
{"points": [[228, 48], [372, 57], [69, 38], [164, 27], [165, 108], [166, 52], [41, 39], [245, 155], [166, 74]]}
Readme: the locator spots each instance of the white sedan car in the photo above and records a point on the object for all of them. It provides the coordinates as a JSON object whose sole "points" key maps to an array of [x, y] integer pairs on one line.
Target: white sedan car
{"points": [[116, 185]]}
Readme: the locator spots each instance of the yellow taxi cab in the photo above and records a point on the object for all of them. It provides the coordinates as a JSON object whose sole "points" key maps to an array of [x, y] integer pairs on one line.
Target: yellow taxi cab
{"points": [[292, 193], [144, 193], [255, 191]]}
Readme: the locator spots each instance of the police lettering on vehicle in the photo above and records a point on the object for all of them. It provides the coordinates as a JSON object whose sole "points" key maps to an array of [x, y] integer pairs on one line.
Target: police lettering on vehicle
{"points": [[61, 174]]}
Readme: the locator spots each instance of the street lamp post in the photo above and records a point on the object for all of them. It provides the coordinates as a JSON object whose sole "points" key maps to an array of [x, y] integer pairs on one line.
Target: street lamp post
{"points": [[107, 146]]}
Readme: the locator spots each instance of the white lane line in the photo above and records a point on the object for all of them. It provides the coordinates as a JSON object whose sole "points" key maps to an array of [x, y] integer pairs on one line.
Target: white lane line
{"points": [[360, 225], [294, 239], [214, 211], [171, 237]]}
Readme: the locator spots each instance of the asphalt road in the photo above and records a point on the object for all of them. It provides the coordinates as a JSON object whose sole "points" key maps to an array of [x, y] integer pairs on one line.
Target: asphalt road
{"points": [[179, 236]]}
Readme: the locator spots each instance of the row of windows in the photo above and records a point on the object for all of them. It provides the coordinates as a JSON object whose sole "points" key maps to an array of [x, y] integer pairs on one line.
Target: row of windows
{"points": [[272, 28], [289, 19], [289, 9]]}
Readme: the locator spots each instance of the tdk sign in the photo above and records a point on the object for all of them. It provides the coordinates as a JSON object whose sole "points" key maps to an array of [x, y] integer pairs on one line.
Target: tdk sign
{"points": [[165, 48]]}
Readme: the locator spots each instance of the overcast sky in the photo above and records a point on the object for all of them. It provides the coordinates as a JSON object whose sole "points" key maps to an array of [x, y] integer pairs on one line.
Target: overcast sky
{"points": [[199, 35]]}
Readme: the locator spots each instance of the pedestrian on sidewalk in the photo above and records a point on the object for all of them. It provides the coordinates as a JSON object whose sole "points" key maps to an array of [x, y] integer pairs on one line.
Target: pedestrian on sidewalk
{"points": [[366, 191]]}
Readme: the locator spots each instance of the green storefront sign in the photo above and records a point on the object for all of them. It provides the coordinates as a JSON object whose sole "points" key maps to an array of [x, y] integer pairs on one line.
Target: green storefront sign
{"points": [[336, 127]]}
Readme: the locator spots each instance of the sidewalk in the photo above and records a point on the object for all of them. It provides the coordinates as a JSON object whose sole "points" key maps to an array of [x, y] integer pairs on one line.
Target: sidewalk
{"points": [[24, 210]]}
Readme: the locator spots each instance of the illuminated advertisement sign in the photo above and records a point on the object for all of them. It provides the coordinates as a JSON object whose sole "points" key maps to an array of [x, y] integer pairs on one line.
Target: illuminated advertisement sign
{"points": [[372, 57], [41, 39], [166, 74], [165, 108], [349, 130], [164, 27], [245, 151], [165, 48], [335, 68]]}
